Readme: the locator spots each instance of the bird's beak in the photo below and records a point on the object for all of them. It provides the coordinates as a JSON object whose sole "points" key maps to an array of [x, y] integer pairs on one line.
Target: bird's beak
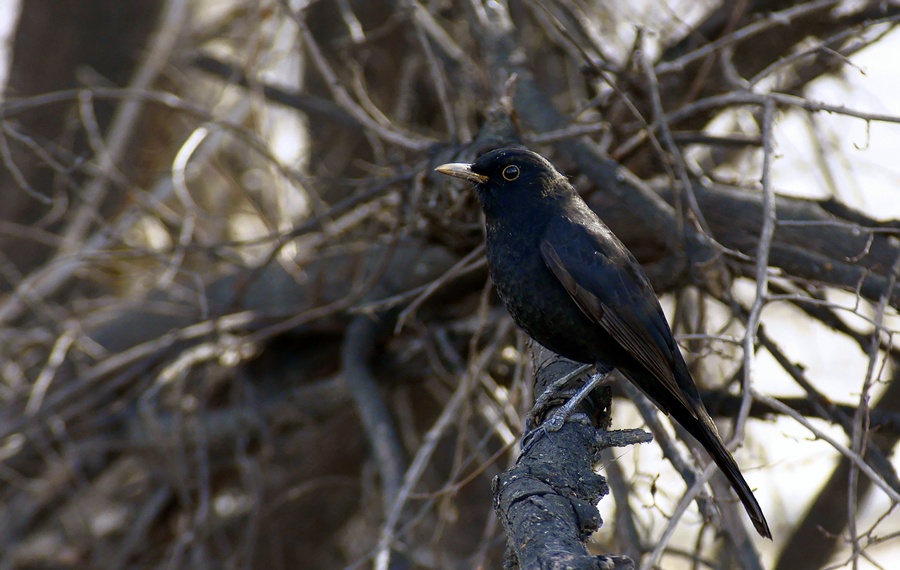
{"points": [[462, 170]]}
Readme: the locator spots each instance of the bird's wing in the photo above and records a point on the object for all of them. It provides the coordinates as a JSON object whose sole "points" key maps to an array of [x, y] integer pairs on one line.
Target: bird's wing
{"points": [[597, 272]]}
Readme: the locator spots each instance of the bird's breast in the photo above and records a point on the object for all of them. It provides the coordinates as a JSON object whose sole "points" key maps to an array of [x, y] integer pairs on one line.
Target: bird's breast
{"points": [[536, 299]]}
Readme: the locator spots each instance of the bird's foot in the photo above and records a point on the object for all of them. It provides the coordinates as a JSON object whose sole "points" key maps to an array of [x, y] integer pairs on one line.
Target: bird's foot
{"points": [[558, 419], [549, 397], [599, 378]]}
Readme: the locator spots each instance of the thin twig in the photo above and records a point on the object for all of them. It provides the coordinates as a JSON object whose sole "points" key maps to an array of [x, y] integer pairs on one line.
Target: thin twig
{"points": [[427, 449], [767, 232], [781, 18], [842, 449], [393, 134]]}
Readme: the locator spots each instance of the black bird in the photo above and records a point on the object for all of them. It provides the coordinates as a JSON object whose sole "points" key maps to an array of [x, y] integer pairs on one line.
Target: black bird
{"points": [[573, 287]]}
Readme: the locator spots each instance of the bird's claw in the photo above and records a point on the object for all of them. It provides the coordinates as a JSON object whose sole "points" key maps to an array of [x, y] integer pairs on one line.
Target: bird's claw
{"points": [[530, 438]]}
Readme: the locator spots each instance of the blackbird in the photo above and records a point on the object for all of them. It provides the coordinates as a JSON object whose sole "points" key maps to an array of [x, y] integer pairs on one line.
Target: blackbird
{"points": [[572, 286]]}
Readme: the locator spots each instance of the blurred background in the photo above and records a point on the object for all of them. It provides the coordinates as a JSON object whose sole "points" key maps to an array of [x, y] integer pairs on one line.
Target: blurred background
{"points": [[243, 324]]}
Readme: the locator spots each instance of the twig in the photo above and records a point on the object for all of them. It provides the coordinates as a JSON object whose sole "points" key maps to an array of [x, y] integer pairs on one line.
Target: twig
{"points": [[764, 244], [54, 361], [471, 261], [426, 450], [860, 433], [56, 272], [392, 134], [693, 491], [842, 449], [782, 18], [359, 340], [124, 123], [625, 527], [820, 45], [421, 19], [670, 450]]}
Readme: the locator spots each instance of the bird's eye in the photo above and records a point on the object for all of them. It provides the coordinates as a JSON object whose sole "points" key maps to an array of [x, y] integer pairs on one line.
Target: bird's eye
{"points": [[510, 173]]}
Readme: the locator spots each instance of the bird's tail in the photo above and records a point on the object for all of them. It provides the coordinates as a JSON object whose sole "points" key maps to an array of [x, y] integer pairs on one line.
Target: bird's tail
{"points": [[705, 432]]}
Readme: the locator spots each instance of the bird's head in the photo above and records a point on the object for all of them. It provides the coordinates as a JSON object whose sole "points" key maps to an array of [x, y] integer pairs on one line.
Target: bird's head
{"points": [[507, 179]]}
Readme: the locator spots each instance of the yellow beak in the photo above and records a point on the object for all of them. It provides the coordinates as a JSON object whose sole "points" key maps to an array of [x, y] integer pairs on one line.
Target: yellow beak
{"points": [[462, 170]]}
